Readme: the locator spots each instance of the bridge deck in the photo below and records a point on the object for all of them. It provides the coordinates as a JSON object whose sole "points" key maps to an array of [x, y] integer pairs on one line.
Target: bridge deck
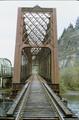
{"points": [[38, 104], [38, 101]]}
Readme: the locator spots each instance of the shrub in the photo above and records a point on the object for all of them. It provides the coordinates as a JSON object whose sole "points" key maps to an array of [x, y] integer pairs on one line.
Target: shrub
{"points": [[69, 78]]}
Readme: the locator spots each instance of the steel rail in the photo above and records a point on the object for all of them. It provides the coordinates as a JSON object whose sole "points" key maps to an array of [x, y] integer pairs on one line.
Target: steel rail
{"points": [[54, 102], [60, 104], [19, 115], [18, 99], [60, 116], [22, 107]]}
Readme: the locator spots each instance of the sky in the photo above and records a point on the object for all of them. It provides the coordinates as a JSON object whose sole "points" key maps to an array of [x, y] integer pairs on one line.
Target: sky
{"points": [[67, 12]]}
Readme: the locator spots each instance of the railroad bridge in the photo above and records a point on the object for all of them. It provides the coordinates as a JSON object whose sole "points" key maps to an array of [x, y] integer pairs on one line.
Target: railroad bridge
{"points": [[36, 46], [36, 72]]}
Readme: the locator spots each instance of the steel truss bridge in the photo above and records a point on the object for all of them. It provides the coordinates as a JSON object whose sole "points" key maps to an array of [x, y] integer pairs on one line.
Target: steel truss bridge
{"points": [[36, 72], [36, 46]]}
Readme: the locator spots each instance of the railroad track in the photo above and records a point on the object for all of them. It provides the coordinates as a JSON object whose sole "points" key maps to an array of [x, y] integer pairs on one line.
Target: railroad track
{"points": [[37, 101]]}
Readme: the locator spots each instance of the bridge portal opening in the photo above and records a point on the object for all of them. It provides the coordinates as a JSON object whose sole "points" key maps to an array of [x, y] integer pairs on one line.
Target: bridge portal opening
{"points": [[36, 61]]}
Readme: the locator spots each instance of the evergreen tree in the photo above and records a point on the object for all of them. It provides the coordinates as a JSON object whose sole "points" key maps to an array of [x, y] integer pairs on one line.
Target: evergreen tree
{"points": [[77, 23], [70, 27]]}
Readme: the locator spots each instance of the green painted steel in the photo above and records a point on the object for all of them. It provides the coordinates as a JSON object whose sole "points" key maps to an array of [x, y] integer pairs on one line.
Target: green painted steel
{"points": [[5, 68]]}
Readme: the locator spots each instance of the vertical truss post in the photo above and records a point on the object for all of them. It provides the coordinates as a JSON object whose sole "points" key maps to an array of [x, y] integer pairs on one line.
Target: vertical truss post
{"points": [[54, 55], [17, 57]]}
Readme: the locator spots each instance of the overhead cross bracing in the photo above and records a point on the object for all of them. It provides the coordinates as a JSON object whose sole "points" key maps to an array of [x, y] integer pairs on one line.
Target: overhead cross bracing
{"points": [[36, 29]]}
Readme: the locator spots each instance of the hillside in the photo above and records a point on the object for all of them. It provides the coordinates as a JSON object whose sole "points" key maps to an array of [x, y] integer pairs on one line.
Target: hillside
{"points": [[68, 45]]}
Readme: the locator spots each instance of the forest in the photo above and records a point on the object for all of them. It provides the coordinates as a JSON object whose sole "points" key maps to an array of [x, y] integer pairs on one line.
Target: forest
{"points": [[68, 45]]}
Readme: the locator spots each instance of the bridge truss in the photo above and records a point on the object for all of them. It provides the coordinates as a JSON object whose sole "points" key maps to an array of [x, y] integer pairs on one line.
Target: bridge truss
{"points": [[36, 45]]}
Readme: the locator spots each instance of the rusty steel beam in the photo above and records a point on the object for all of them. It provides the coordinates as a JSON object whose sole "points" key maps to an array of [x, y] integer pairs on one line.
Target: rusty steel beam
{"points": [[54, 54], [17, 57], [36, 9]]}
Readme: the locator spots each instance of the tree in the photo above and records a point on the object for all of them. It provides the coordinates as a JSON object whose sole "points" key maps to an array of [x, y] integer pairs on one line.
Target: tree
{"points": [[77, 23], [70, 27]]}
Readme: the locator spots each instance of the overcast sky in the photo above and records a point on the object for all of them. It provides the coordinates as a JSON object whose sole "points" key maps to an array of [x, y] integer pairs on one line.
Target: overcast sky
{"points": [[67, 12]]}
